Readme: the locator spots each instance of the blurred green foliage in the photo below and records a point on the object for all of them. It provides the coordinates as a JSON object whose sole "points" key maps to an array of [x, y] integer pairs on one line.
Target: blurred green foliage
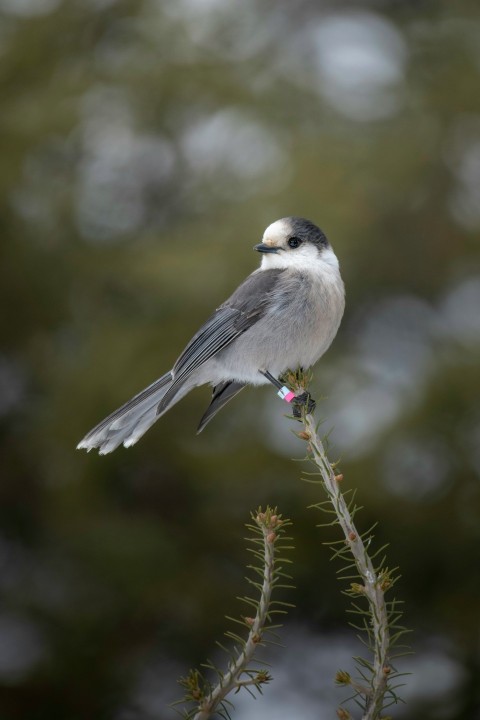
{"points": [[145, 145]]}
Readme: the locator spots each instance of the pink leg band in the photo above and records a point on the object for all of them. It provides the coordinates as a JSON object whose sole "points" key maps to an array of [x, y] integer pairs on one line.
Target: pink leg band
{"points": [[286, 394]]}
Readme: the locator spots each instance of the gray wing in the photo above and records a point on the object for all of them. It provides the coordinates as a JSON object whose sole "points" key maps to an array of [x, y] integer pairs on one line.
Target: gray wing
{"points": [[242, 310]]}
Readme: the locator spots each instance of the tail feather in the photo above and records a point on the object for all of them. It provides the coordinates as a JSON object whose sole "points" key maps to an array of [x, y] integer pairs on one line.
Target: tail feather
{"points": [[127, 424], [222, 394]]}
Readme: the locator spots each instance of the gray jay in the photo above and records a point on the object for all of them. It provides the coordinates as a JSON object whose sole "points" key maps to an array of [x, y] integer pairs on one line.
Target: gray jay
{"points": [[284, 315]]}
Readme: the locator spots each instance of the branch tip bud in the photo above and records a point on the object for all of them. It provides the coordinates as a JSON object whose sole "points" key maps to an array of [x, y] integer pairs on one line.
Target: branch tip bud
{"points": [[343, 677], [262, 677], [385, 580]]}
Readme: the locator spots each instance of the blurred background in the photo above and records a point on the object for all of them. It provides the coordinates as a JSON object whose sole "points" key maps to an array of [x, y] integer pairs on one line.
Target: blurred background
{"points": [[145, 146]]}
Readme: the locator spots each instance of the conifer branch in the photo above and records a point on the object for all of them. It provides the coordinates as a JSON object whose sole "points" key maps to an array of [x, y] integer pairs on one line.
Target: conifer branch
{"points": [[207, 699], [373, 586], [379, 622]]}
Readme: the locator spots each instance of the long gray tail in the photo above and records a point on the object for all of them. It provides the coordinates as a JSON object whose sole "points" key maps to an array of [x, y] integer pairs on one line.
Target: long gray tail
{"points": [[127, 424]]}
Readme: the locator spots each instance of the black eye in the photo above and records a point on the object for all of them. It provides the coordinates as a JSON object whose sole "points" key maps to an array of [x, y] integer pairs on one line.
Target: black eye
{"points": [[294, 242]]}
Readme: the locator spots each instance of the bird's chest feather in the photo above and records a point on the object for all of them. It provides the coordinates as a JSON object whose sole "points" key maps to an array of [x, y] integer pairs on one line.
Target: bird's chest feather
{"points": [[305, 313]]}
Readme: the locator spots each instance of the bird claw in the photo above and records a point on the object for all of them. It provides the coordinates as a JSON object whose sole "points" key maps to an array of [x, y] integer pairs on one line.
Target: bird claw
{"points": [[304, 400]]}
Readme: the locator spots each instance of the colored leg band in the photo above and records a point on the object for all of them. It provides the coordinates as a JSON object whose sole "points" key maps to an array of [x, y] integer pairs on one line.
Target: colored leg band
{"points": [[286, 394]]}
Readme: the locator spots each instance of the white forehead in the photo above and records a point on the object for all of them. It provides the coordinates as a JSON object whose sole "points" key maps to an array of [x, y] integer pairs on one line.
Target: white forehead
{"points": [[276, 232]]}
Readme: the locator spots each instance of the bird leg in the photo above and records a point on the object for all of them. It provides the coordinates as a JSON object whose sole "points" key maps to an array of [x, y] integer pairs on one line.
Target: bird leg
{"points": [[289, 396]]}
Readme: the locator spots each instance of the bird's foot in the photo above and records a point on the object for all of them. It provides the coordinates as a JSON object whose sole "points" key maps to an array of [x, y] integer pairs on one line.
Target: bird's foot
{"points": [[304, 400]]}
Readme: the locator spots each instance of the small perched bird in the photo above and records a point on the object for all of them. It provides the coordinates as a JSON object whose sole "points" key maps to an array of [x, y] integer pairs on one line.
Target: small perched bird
{"points": [[283, 316]]}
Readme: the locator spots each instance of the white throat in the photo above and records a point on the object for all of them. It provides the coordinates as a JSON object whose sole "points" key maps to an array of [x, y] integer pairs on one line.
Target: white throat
{"points": [[306, 259]]}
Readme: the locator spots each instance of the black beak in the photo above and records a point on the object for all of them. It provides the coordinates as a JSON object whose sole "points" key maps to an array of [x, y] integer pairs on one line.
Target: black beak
{"points": [[261, 247]]}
